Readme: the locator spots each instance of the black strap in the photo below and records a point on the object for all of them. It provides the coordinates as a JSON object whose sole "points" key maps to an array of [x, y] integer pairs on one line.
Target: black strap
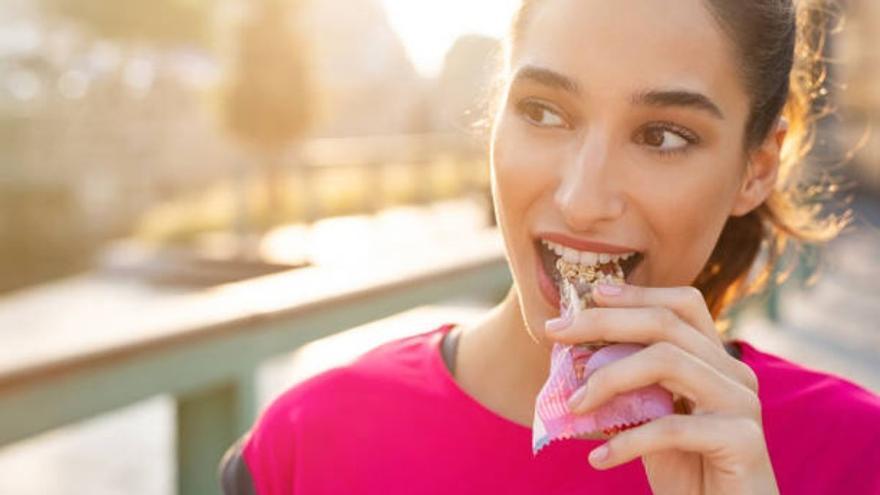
{"points": [[235, 479], [448, 348], [733, 349]]}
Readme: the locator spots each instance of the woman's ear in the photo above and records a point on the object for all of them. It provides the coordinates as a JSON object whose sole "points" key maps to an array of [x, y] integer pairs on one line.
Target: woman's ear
{"points": [[761, 172]]}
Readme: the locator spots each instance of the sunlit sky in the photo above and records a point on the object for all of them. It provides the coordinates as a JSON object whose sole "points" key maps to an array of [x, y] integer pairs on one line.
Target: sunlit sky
{"points": [[428, 28]]}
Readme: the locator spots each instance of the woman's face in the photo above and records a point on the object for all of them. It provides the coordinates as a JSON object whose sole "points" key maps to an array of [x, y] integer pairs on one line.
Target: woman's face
{"points": [[621, 127]]}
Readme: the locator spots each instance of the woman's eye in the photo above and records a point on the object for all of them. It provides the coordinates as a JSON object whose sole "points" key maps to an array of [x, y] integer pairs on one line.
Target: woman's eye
{"points": [[540, 114], [665, 138]]}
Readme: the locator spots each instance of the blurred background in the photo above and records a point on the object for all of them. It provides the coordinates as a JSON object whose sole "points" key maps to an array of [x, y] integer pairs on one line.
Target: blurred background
{"points": [[202, 202]]}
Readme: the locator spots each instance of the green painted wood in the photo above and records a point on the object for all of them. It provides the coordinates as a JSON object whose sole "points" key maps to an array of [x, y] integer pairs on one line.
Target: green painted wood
{"points": [[208, 422], [245, 402]]}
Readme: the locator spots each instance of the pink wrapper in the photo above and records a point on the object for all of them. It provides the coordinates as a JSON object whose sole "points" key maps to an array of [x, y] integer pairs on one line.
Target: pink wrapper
{"points": [[570, 366]]}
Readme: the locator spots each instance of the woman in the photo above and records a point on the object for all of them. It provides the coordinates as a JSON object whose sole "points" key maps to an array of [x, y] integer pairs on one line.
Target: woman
{"points": [[668, 131]]}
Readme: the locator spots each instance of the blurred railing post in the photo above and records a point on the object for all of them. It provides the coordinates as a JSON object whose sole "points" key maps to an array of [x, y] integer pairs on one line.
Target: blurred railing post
{"points": [[311, 208], [208, 422], [422, 156], [373, 191]]}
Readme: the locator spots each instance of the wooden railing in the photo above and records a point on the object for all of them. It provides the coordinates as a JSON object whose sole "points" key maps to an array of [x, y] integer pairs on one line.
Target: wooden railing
{"points": [[204, 349], [370, 156]]}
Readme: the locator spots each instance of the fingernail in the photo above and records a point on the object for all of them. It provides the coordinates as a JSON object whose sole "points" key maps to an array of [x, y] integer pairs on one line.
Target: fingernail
{"points": [[577, 396], [558, 324], [610, 290], [599, 454]]}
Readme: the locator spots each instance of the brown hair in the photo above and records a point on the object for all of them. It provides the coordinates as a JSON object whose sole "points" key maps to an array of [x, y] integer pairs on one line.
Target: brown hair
{"points": [[779, 44]]}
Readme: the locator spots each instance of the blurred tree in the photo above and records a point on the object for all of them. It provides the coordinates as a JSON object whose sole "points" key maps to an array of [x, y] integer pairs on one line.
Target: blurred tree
{"points": [[41, 234], [167, 21], [465, 85], [267, 103]]}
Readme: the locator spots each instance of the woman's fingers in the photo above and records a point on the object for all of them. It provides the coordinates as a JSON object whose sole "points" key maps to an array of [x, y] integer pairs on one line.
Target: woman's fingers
{"points": [[675, 370], [686, 302], [714, 436], [650, 325]]}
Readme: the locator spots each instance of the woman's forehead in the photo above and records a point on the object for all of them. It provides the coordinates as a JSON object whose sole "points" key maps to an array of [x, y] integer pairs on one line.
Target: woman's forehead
{"points": [[630, 46]]}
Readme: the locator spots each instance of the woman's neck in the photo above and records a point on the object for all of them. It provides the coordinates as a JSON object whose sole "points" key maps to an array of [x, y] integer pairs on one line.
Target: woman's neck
{"points": [[500, 364]]}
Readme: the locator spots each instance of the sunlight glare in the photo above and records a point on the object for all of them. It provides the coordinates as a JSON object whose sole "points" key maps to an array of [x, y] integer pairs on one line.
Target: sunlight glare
{"points": [[429, 29]]}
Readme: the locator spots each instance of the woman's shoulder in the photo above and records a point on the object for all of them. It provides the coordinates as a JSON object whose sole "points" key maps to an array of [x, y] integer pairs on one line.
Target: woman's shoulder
{"points": [[816, 418], [798, 399], [403, 362], [379, 381], [782, 382]]}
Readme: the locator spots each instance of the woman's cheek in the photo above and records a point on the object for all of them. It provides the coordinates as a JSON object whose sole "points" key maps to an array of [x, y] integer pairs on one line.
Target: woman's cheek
{"points": [[521, 168], [689, 234]]}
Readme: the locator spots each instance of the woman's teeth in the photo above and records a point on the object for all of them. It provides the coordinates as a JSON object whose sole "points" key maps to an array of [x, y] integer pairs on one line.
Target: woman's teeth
{"points": [[585, 257]]}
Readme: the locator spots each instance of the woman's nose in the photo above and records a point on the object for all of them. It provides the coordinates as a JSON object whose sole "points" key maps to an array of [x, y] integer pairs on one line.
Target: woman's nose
{"points": [[588, 191]]}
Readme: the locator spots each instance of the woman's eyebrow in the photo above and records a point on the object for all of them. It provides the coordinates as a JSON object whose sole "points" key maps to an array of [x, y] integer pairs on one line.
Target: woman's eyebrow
{"points": [[655, 97], [546, 77], [677, 98]]}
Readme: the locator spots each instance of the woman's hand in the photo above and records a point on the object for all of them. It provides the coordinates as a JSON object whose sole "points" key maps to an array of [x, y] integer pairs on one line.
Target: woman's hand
{"points": [[717, 449]]}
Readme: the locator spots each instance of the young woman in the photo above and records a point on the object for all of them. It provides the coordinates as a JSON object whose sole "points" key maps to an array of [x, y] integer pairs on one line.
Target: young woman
{"points": [[668, 129]]}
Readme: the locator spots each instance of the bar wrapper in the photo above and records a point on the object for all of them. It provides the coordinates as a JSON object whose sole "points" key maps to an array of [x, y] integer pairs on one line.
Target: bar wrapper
{"points": [[570, 366]]}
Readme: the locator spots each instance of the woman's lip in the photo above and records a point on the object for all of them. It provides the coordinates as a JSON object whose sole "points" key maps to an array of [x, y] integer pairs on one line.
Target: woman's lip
{"points": [[584, 245], [546, 285]]}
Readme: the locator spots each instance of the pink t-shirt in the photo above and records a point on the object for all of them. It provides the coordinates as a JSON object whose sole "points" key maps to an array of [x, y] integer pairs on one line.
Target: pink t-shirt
{"points": [[396, 422]]}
